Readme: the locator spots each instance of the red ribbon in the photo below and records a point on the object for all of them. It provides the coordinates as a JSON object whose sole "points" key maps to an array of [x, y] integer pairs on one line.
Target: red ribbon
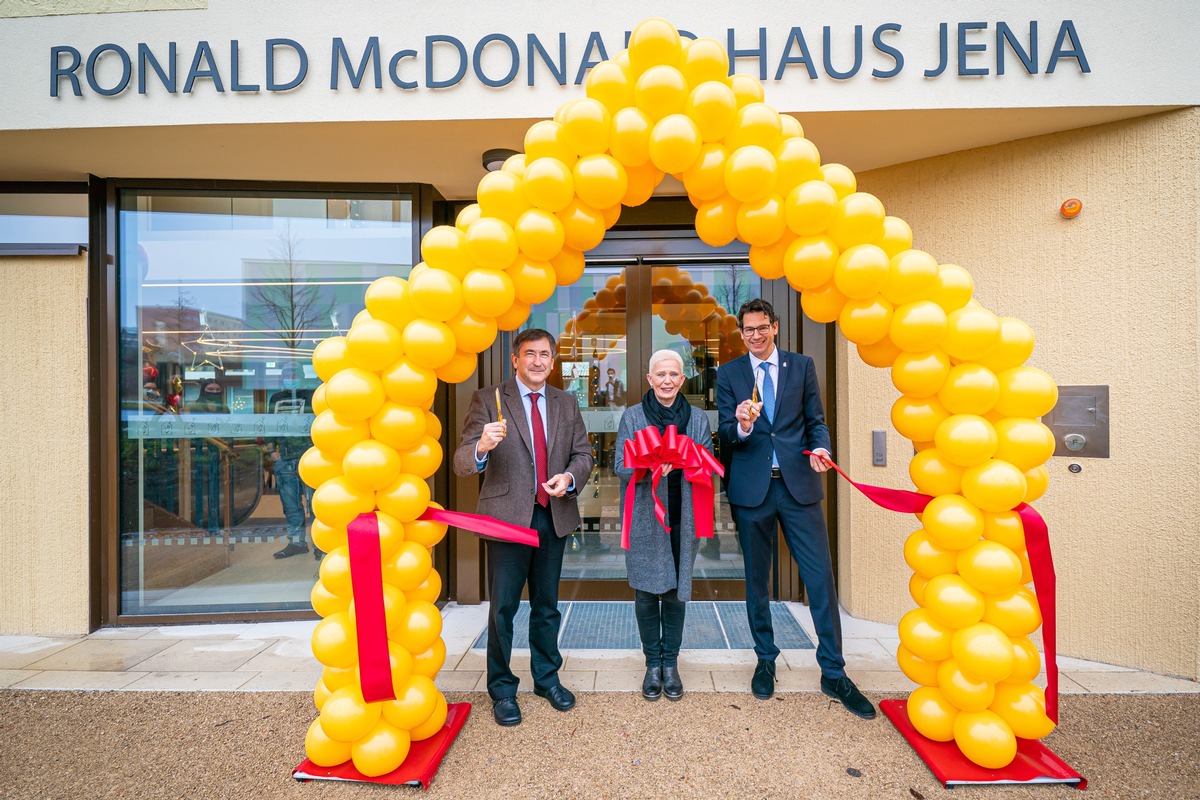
{"points": [[489, 527], [1041, 564], [370, 623], [649, 450]]}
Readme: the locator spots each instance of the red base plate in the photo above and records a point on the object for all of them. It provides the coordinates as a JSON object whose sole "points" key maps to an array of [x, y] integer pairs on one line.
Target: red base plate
{"points": [[418, 768], [1034, 762]]}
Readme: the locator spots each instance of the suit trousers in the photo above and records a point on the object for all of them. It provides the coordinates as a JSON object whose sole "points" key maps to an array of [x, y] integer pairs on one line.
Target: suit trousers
{"points": [[804, 531], [510, 567]]}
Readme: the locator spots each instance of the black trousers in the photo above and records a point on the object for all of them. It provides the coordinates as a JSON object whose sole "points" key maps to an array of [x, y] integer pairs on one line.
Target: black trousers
{"points": [[804, 531], [510, 567]]}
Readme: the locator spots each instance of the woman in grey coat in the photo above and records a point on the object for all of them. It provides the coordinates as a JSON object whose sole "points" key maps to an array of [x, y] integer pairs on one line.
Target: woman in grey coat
{"points": [[659, 564]]}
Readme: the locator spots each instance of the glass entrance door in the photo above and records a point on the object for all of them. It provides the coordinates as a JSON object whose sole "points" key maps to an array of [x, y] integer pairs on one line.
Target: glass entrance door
{"points": [[636, 297]]}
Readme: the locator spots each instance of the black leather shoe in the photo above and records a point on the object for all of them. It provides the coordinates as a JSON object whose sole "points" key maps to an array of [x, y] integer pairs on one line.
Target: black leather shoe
{"points": [[652, 684], [559, 696], [506, 711], [318, 553], [292, 549], [672, 684], [843, 689], [762, 685]]}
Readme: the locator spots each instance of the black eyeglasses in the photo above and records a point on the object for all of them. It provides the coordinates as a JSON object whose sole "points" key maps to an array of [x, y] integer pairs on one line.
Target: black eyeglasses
{"points": [[761, 330]]}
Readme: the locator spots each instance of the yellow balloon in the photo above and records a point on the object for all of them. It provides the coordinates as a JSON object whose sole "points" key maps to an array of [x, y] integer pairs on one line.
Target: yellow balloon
{"points": [[492, 244], [421, 626], [315, 467], [840, 178], [1038, 481], [586, 125], [333, 435], [969, 389], [1014, 611], [425, 532], [583, 226], [705, 180], [952, 522], [539, 234], [334, 641], [674, 143], [760, 222], [916, 587], [338, 501], [423, 459], [652, 42], [514, 318], [325, 602], [953, 602], [750, 173], [966, 693], [433, 426], [1014, 347], [501, 195], [409, 383], [994, 485], [429, 590], [330, 357], [920, 374], [318, 400], [716, 221], [600, 180], [954, 287], [755, 124], [1025, 443], [326, 537], [966, 439], [983, 652], [824, 303], [629, 139], [429, 343], [642, 181], [747, 89], [865, 321], [398, 426], [860, 270], [713, 107], [912, 276], [515, 164], [705, 60], [1005, 528], [660, 91], [609, 83], [354, 393], [934, 475], [414, 703], [897, 236], [374, 344], [881, 354], [370, 465], [989, 567], [394, 604], [970, 332], [568, 266], [809, 208], [932, 714], [917, 669], [474, 333], [809, 261], [925, 558], [985, 739], [917, 418], [437, 719], [1026, 392], [792, 129], [381, 750], [549, 185], [858, 220], [924, 636], [409, 567], [387, 297], [335, 678], [1027, 661], [487, 292], [1024, 709], [465, 217], [430, 662], [406, 498], [918, 327], [545, 140], [323, 751], [797, 162]]}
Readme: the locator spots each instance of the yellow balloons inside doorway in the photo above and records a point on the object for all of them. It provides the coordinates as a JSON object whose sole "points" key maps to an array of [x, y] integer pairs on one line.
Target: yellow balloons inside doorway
{"points": [[968, 402]]}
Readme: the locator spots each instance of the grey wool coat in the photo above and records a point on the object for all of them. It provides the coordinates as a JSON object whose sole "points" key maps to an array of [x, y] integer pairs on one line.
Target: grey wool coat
{"points": [[648, 560]]}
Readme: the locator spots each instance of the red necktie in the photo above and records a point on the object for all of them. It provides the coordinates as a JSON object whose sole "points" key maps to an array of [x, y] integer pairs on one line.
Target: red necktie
{"points": [[541, 460]]}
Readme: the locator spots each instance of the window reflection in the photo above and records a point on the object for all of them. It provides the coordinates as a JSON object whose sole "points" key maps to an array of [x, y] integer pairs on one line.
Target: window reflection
{"points": [[222, 301]]}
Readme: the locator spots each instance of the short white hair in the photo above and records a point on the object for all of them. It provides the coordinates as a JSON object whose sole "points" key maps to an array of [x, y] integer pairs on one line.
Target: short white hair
{"points": [[662, 355]]}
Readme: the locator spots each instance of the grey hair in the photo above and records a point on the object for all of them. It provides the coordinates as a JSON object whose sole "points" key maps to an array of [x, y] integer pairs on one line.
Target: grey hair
{"points": [[660, 355]]}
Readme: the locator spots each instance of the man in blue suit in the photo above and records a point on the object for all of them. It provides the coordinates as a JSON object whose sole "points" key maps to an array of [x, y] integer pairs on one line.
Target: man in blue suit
{"points": [[770, 481]]}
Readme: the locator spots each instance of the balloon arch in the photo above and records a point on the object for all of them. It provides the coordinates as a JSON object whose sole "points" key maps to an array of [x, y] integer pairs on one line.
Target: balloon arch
{"points": [[669, 105]]}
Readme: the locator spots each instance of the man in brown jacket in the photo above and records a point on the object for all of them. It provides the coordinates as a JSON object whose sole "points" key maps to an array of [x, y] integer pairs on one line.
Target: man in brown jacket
{"points": [[533, 460]]}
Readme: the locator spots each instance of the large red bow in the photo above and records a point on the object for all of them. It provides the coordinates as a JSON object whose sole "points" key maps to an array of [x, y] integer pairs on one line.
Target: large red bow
{"points": [[649, 450], [1041, 564]]}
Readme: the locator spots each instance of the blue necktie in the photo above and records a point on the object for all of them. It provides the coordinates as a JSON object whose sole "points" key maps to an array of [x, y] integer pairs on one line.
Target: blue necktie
{"points": [[768, 401]]}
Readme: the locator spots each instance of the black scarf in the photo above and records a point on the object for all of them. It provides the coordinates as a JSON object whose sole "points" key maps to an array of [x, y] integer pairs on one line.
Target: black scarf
{"points": [[678, 413]]}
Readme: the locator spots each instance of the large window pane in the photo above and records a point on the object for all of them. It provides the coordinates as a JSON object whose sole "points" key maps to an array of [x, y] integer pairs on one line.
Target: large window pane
{"points": [[222, 300]]}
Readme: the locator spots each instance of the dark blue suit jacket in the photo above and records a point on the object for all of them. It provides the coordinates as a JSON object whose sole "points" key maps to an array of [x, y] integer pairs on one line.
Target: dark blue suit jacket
{"points": [[799, 425]]}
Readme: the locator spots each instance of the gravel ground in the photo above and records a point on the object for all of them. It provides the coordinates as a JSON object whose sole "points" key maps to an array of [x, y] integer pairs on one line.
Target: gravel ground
{"points": [[244, 745]]}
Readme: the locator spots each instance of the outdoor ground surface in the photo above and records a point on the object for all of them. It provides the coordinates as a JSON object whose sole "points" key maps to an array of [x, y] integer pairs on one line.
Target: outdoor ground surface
{"points": [[612, 745]]}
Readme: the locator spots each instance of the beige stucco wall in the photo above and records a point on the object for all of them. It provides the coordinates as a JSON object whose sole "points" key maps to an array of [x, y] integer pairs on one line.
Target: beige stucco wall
{"points": [[1112, 297], [52, 8], [43, 446]]}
